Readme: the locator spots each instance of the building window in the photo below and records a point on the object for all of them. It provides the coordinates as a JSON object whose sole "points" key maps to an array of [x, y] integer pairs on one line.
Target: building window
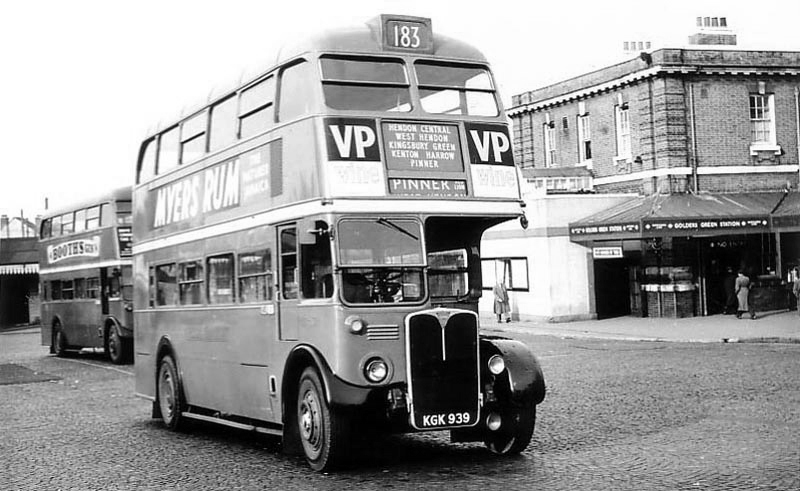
{"points": [[584, 139], [191, 283], [623, 124], [220, 279], [512, 271], [762, 123], [549, 144]]}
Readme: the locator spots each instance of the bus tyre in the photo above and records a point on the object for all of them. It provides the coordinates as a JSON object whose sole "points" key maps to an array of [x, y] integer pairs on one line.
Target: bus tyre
{"points": [[513, 436], [170, 394], [59, 341], [323, 432], [115, 348]]}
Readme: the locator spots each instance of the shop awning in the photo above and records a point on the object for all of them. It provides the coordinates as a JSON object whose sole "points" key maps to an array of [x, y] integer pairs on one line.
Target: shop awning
{"points": [[10, 269], [680, 215], [786, 216]]}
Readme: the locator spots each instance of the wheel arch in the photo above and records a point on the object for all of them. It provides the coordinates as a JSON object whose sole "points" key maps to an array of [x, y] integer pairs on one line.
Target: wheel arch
{"points": [[524, 374]]}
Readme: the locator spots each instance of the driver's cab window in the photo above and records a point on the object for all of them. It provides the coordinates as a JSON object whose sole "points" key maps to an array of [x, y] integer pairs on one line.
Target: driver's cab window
{"points": [[288, 239], [316, 269]]}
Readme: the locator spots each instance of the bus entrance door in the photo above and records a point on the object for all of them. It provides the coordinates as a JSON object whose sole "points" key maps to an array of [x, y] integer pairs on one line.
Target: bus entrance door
{"points": [[288, 281], [104, 290]]}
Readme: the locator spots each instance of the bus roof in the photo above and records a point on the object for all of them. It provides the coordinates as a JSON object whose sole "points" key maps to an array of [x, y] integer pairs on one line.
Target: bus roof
{"points": [[364, 39], [118, 194]]}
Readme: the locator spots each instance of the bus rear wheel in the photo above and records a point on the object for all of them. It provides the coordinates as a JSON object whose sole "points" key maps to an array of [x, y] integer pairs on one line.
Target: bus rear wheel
{"points": [[115, 347], [59, 342], [514, 436], [323, 432], [170, 394]]}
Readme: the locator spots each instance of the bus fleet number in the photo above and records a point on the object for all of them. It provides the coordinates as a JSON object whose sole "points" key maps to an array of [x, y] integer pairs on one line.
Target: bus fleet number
{"points": [[406, 36]]}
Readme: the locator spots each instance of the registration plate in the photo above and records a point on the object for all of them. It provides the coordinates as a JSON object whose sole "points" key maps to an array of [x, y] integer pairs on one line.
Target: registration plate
{"points": [[444, 420]]}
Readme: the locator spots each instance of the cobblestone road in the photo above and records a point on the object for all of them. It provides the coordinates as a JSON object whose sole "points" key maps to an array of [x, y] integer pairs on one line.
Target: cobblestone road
{"points": [[618, 415]]}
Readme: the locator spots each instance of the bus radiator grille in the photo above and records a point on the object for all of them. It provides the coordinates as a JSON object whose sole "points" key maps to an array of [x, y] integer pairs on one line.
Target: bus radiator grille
{"points": [[383, 332]]}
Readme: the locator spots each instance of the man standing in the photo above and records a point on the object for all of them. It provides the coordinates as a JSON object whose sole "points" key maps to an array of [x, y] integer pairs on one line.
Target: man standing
{"points": [[501, 306], [796, 287]]}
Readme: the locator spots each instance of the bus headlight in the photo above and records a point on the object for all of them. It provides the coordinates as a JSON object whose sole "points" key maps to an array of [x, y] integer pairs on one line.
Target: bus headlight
{"points": [[497, 364], [376, 370]]}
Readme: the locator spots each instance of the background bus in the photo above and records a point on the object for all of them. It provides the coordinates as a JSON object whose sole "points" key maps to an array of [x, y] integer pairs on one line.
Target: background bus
{"points": [[85, 274], [307, 249]]}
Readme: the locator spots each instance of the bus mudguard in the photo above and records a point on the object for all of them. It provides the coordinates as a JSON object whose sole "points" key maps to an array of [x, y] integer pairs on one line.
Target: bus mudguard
{"points": [[525, 377], [337, 391]]}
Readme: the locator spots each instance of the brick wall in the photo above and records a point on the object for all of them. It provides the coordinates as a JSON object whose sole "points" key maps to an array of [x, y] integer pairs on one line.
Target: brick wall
{"points": [[661, 131]]}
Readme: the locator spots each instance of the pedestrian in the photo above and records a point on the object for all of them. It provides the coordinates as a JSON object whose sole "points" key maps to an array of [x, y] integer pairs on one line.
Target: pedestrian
{"points": [[796, 287], [742, 291], [501, 306], [729, 286]]}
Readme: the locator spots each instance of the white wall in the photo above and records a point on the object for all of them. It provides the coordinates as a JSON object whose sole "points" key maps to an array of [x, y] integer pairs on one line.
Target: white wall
{"points": [[558, 269]]}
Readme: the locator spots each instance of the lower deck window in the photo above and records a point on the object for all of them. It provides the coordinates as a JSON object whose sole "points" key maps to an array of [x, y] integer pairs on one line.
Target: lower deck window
{"points": [[191, 283], [167, 284], [255, 276], [220, 279]]}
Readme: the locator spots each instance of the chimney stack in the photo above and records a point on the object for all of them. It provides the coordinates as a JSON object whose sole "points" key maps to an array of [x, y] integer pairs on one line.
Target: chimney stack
{"points": [[713, 31]]}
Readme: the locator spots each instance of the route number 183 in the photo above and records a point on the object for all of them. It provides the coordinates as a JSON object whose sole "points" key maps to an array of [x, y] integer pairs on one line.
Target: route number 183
{"points": [[406, 34]]}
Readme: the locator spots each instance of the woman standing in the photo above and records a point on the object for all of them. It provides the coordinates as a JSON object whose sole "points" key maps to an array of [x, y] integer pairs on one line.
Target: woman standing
{"points": [[742, 291]]}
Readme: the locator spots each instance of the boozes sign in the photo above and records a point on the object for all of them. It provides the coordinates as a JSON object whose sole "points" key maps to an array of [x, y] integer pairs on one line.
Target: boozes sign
{"points": [[73, 248]]}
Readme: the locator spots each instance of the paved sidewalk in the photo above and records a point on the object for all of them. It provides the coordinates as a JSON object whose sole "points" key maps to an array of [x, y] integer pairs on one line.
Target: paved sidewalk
{"points": [[778, 326]]}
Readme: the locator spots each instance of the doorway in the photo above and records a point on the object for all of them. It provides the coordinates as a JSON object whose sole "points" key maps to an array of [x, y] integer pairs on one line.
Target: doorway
{"points": [[612, 288]]}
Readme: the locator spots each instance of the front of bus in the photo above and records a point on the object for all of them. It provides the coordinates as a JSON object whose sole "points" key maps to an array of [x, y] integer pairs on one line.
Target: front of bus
{"points": [[417, 164]]}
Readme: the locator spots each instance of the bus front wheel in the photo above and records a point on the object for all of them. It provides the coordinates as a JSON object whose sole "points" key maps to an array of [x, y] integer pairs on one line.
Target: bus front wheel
{"points": [[170, 394], [323, 432], [514, 436]]}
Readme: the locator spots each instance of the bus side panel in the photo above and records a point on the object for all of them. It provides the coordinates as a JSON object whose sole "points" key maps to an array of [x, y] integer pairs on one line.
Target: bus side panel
{"points": [[144, 336]]}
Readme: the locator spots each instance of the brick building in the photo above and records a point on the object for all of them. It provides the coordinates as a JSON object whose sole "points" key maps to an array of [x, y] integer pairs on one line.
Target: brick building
{"points": [[704, 140]]}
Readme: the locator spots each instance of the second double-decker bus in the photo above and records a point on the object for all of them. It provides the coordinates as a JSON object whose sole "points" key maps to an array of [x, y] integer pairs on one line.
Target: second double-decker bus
{"points": [[86, 279], [307, 249]]}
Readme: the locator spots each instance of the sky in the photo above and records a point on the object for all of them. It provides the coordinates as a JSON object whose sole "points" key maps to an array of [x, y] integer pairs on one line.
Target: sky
{"points": [[83, 81]]}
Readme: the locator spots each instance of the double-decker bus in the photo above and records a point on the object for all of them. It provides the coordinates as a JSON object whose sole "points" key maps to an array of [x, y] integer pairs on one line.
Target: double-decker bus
{"points": [[86, 276], [307, 249]]}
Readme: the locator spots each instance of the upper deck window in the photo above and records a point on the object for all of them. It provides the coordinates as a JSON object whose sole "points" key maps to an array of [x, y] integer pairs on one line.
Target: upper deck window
{"points": [[168, 150], [256, 111], [365, 84], [456, 89], [193, 137]]}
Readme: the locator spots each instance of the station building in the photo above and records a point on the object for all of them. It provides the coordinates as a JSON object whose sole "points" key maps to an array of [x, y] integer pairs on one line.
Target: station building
{"points": [[19, 271], [659, 178]]}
